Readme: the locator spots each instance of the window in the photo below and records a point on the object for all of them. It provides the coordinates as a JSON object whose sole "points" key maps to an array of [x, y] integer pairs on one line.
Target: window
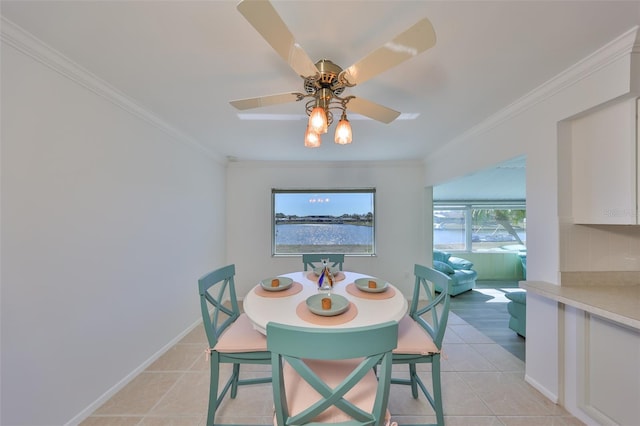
{"points": [[323, 221], [479, 227]]}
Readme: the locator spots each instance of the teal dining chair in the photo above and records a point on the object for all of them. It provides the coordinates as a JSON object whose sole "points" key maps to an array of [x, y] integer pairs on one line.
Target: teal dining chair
{"points": [[420, 335], [232, 338], [314, 260], [325, 376]]}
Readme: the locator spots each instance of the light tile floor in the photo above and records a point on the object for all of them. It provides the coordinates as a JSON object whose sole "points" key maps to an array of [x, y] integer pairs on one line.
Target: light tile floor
{"points": [[483, 385]]}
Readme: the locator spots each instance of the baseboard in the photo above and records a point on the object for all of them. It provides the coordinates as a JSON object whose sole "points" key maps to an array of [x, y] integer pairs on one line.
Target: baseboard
{"points": [[128, 378], [544, 391]]}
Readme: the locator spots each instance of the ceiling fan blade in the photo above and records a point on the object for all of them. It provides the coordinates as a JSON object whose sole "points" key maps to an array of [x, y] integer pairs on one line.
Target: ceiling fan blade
{"points": [[372, 110], [264, 18], [262, 101], [410, 43]]}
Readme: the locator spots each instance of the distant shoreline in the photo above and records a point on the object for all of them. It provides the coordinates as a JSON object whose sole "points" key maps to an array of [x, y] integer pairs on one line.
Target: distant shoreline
{"points": [[323, 248], [336, 221]]}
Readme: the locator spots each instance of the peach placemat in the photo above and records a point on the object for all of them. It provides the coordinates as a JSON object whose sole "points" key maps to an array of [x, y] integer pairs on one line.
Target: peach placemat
{"points": [[295, 288], [355, 291], [339, 276], [306, 315]]}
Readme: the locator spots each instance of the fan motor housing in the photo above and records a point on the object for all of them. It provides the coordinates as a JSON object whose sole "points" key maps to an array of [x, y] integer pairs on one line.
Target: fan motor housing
{"points": [[327, 78]]}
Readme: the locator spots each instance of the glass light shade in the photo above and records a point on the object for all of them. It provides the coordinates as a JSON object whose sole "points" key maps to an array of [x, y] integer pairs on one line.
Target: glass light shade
{"points": [[343, 132], [318, 120], [311, 138]]}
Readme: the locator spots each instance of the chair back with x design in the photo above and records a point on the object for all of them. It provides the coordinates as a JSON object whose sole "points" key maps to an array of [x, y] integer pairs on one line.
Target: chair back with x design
{"points": [[434, 315], [232, 338], [314, 260], [326, 376], [421, 333]]}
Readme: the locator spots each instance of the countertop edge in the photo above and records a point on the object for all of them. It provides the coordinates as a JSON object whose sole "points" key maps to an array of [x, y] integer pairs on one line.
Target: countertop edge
{"points": [[572, 296]]}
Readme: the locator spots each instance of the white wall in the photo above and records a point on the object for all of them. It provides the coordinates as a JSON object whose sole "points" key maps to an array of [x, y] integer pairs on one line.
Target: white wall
{"points": [[400, 216], [530, 127], [107, 223]]}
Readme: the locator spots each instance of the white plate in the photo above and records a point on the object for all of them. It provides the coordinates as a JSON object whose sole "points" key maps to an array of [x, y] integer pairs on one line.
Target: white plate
{"points": [[363, 284], [339, 304], [285, 283]]}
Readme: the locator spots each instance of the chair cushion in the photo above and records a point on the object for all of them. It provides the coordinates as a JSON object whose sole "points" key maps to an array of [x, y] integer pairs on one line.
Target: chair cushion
{"points": [[300, 395], [443, 267], [241, 337], [460, 263], [413, 339], [464, 275], [441, 256]]}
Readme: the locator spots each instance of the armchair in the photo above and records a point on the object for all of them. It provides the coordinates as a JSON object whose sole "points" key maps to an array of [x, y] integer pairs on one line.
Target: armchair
{"points": [[463, 276]]}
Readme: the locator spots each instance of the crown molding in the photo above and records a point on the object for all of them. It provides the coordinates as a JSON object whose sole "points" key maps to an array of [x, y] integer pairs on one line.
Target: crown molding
{"points": [[26, 43], [295, 164], [621, 46]]}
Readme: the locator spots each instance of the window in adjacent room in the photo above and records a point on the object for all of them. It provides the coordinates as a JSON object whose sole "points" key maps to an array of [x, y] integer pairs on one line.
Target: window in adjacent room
{"points": [[323, 221], [480, 227]]}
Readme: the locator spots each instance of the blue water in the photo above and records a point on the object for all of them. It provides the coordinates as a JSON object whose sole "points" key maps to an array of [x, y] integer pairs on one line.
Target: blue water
{"points": [[447, 236], [339, 234], [322, 234]]}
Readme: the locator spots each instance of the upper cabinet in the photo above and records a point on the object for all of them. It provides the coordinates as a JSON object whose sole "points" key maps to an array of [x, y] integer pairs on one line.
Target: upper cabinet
{"points": [[604, 166]]}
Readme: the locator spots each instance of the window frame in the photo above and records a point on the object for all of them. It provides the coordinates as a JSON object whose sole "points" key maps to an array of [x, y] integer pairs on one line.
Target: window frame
{"points": [[315, 191], [467, 207]]}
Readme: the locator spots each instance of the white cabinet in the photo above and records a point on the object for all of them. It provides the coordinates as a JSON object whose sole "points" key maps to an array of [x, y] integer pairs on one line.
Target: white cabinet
{"points": [[602, 375], [604, 166]]}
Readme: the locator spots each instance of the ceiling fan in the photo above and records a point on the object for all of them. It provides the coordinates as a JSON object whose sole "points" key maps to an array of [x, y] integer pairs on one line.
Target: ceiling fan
{"points": [[325, 81]]}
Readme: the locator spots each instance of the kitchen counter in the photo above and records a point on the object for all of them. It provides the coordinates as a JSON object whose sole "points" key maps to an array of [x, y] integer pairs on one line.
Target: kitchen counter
{"points": [[617, 301]]}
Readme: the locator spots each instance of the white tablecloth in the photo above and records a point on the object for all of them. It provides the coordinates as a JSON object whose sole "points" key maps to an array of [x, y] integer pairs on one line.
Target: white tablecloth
{"points": [[262, 310]]}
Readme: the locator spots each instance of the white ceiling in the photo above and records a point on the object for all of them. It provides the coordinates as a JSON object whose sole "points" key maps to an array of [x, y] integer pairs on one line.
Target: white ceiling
{"points": [[184, 60], [505, 181]]}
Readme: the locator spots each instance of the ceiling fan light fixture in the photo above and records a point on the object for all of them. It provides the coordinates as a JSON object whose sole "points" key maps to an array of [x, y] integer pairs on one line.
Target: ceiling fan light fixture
{"points": [[343, 131], [325, 81], [311, 138], [318, 120]]}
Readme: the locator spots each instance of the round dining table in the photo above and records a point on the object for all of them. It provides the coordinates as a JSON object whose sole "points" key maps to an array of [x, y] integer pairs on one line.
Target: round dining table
{"points": [[289, 306]]}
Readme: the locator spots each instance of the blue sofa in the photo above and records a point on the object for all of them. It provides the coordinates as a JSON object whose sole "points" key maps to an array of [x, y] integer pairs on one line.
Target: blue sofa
{"points": [[463, 276], [523, 260]]}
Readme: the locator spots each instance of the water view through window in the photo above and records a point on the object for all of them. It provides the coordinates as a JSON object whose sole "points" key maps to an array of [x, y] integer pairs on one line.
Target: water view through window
{"points": [[480, 228], [323, 221]]}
